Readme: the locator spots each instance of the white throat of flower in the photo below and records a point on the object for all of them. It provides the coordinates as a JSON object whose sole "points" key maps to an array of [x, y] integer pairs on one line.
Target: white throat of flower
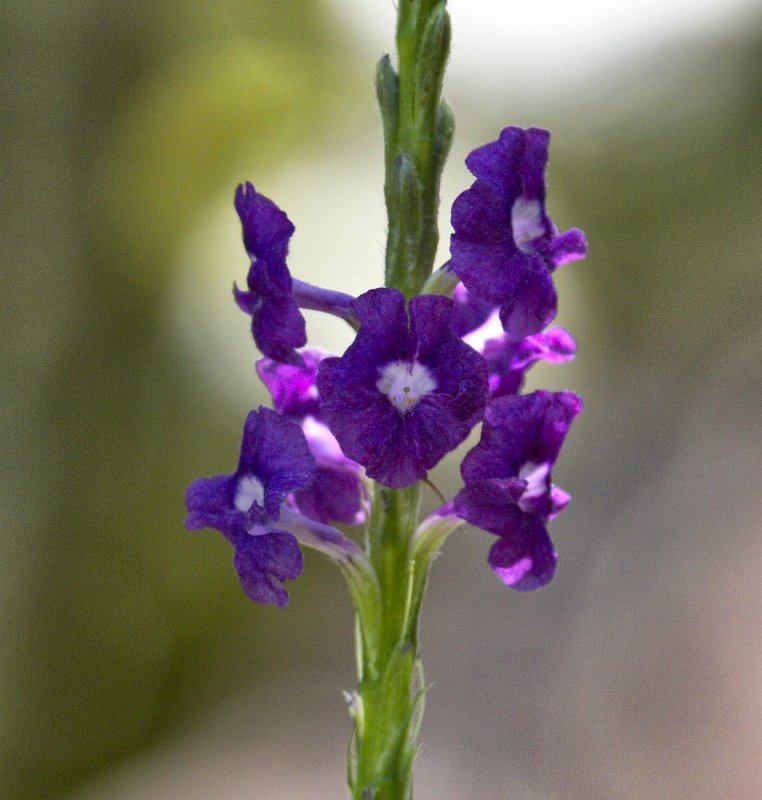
{"points": [[536, 476], [526, 222], [405, 383], [249, 489]]}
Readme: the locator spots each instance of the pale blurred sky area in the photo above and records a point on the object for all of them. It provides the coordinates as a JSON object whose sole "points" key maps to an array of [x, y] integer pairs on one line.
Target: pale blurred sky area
{"points": [[132, 667]]}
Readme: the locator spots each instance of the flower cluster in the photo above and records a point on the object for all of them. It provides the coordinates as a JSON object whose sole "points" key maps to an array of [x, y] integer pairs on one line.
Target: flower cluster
{"points": [[420, 375]]}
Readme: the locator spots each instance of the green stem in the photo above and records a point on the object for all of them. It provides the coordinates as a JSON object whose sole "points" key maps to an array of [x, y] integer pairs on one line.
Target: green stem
{"points": [[386, 710], [418, 130]]}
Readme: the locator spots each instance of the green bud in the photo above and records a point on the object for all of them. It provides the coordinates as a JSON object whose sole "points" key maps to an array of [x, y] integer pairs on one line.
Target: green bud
{"points": [[432, 59], [443, 136], [387, 92]]}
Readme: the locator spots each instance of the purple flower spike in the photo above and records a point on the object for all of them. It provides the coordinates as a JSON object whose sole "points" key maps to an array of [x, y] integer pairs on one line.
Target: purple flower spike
{"points": [[277, 324], [274, 461], [508, 489], [504, 245], [403, 394], [337, 493]]}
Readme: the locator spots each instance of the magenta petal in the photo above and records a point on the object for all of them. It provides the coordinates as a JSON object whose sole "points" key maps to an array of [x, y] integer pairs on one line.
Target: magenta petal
{"points": [[293, 388]]}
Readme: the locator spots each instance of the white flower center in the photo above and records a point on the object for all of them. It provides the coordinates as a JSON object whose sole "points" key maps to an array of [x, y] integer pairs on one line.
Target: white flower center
{"points": [[536, 476], [249, 489], [405, 383], [526, 221]]}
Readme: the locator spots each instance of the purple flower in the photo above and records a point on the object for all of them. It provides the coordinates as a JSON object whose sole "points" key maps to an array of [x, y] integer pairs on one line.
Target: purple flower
{"points": [[504, 246], [508, 489], [509, 360], [277, 324], [274, 461], [337, 493], [405, 392]]}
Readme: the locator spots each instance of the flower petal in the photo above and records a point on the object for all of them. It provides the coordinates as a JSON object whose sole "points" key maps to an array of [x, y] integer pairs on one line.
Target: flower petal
{"points": [[264, 561], [526, 560]]}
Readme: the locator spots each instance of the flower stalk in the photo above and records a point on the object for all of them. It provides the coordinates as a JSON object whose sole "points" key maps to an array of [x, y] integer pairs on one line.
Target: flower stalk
{"points": [[351, 439], [384, 737]]}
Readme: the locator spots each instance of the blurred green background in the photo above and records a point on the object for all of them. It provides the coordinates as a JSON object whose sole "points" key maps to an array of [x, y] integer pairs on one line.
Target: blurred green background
{"points": [[131, 664]]}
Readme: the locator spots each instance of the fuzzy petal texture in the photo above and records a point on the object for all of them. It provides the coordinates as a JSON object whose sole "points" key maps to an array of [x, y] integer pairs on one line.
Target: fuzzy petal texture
{"points": [[266, 229], [398, 443], [336, 495], [211, 504], [264, 561]]}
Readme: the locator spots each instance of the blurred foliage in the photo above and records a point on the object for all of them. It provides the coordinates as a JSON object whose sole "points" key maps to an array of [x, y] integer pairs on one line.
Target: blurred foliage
{"points": [[121, 119]]}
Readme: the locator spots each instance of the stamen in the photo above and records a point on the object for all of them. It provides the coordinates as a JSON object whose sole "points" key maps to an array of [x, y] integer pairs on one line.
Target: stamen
{"points": [[405, 383]]}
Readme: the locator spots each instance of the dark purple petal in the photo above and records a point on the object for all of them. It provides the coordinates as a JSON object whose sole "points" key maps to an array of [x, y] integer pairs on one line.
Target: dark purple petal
{"points": [[264, 561], [397, 437], [274, 450], [366, 425], [523, 557], [276, 323], [293, 388], [526, 560], [469, 312], [492, 272], [481, 216], [521, 430], [533, 305], [492, 505], [508, 488], [210, 504], [266, 229], [335, 495], [384, 326]]}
